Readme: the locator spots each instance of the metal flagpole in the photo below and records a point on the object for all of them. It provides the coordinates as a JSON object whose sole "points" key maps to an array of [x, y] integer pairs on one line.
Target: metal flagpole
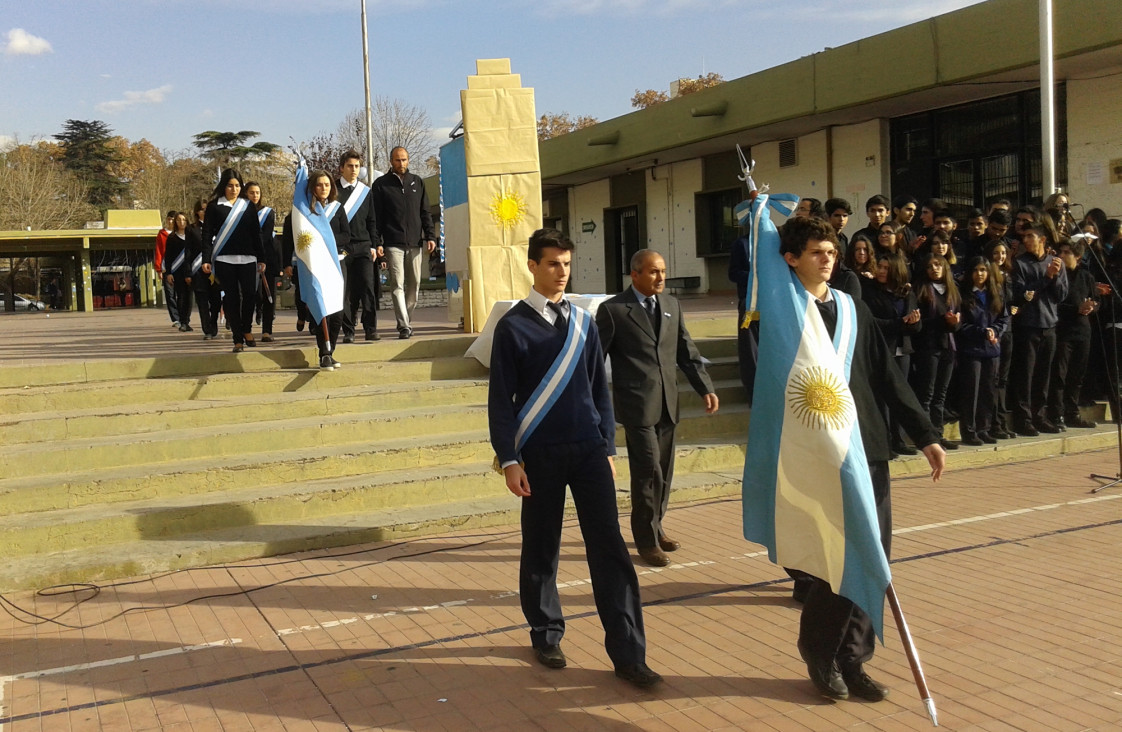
{"points": [[913, 656], [369, 116], [1047, 104]]}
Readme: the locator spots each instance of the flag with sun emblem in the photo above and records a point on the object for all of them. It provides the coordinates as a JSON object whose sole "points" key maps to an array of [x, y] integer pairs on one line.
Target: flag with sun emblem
{"points": [[807, 494], [317, 258]]}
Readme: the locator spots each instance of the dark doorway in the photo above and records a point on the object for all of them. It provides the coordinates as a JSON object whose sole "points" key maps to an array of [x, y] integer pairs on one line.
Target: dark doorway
{"points": [[621, 240]]}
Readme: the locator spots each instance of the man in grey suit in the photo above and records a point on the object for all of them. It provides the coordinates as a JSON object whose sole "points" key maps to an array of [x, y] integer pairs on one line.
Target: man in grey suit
{"points": [[642, 333]]}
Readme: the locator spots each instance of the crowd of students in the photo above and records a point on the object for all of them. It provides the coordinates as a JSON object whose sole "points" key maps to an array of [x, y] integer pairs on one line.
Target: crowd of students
{"points": [[1003, 324]]}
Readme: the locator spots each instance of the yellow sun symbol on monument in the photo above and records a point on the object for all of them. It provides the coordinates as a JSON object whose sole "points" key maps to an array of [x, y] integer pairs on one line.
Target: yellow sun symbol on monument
{"points": [[819, 399], [304, 241], [508, 208]]}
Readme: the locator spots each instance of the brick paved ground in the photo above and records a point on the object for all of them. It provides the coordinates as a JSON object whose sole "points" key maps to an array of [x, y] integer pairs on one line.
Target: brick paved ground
{"points": [[1011, 578]]}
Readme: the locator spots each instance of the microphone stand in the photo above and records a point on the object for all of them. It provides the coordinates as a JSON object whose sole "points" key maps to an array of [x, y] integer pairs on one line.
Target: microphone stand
{"points": [[1111, 360]]}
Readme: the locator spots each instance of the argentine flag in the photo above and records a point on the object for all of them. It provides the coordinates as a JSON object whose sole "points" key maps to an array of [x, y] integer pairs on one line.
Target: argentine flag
{"points": [[807, 494], [317, 259]]}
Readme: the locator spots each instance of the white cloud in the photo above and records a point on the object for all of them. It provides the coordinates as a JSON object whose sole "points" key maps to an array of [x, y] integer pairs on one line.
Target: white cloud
{"points": [[134, 98], [22, 43], [7, 142]]}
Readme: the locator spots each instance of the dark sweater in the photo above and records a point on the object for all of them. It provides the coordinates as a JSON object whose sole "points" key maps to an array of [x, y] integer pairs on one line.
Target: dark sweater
{"points": [[977, 315], [363, 224], [245, 239], [1072, 325], [1029, 275], [402, 210], [522, 351], [888, 311], [175, 246]]}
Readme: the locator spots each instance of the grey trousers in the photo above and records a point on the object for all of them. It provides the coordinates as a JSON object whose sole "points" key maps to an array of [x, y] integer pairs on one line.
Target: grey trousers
{"points": [[405, 281]]}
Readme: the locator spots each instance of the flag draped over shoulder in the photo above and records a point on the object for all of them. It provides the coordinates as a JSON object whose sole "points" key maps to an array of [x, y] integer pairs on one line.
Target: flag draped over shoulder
{"points": [[807, 494], [317, 258]]}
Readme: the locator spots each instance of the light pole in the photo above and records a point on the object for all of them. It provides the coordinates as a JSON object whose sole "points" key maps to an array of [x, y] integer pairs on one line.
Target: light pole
{"points": [[369, 116], [1047, 104]]}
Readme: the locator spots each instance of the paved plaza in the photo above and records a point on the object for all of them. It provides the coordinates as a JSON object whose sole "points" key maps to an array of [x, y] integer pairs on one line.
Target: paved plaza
{"points": [[1010, 576]]}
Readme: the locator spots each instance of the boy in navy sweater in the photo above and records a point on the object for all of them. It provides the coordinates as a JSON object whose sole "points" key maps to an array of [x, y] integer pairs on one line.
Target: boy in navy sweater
{"points": [[573, 446]]}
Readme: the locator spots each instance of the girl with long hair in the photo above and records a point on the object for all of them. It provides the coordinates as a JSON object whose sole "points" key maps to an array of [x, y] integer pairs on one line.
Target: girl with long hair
{"points": [[997, 254], [232, 250], [939, 303], [859, 258], [266, 306], [984, 319]]}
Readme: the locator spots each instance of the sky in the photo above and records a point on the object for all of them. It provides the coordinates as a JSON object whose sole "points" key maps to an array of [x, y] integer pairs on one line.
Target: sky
{"points": [[167, 69]]}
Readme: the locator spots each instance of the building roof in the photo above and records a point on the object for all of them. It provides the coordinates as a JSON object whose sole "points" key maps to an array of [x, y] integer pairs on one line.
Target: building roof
{"points": [[980, 51]]}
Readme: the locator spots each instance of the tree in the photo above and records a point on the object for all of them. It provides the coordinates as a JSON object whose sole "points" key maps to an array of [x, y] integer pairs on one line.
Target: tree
{"points": [[37, 192], [681, 87], [552, 125], [395, 124], [231, 148], [87, 152]]}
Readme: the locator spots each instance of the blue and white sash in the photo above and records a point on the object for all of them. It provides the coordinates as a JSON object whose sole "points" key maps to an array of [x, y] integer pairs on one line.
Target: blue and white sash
{"points": [[197, 264], [263, 214], [232, 219], [179, 259], [556, 379], [361, 191], [329, 213]]}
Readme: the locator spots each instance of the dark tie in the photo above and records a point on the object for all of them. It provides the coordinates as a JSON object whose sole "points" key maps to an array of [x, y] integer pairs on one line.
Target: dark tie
{"points": [[651, 306], [558, 322]]}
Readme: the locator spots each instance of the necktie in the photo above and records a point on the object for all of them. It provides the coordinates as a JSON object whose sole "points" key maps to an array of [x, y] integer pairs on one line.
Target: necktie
{"points": [[651, 306], [558, 322]]}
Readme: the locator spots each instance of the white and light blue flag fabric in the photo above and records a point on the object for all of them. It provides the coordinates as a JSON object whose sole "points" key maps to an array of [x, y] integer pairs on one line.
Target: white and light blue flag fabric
{"points": [[317, 260], [807, 494]]}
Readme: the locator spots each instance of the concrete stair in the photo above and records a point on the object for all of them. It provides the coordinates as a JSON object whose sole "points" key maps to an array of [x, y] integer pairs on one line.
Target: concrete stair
{"points": [[118, 467]]}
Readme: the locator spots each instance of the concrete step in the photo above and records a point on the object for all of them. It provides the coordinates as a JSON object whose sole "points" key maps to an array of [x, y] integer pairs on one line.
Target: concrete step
{"points": [[101, 561], [69, 397], [165, 517], [323, 400]]}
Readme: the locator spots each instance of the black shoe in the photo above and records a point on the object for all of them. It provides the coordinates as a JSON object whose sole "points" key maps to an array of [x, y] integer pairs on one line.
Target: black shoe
{"points": [[373, 336], [802, 589], [550, 657], [1081, 423], [973, 441], [404, 333], [299, 325], [1026, 429], [1002, 434], [335, 363], [825, 676], [863, 687], [948, 444], [986, 438], [901, 448], [348, 339], [639, 675], [1046, 426], [325, 364]]}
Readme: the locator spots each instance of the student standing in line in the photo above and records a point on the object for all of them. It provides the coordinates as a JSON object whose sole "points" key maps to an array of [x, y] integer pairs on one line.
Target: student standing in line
{"points": [[266, 306], [177, 269], [984, 319], [232, 251]]}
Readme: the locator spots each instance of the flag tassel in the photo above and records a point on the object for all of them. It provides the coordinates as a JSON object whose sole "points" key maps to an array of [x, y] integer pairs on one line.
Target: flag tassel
{"points": [[913, 655]]}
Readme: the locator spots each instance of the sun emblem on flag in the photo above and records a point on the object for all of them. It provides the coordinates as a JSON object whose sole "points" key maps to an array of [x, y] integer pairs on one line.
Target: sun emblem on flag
{"points": [[304, 241], [508, 208], [819, 399]]}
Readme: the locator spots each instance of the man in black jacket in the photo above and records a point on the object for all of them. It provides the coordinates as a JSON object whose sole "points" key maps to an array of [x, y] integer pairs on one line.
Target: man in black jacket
{"points": [[405, 227], [358, 265]]}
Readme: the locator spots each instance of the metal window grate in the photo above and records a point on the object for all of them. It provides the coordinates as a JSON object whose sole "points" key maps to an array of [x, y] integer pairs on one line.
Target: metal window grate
{"points": [[788, 153]]}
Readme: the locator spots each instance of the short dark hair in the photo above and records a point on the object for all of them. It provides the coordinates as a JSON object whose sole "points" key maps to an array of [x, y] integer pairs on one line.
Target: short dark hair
{"points": [[934, 204], [877, 200], [833, 204], [903, 200], [942, 214], [975, 213], [1037, 227], [1077, 246], [1000, 217], [545, 238], [171, 214], [350, 154], [797, 231], [815, 206]]}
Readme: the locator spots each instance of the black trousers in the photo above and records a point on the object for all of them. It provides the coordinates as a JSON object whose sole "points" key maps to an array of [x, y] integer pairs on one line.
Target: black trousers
{"points": [[239, 288], [327, 343], [182, 299], [748, 353], [169, 300], [930, 380], [977, 386], [1001, 389], [1068, 370], [1033, 350], [208, 297], [650, 458], [358, 290], [832, 628], [583, 466]]}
